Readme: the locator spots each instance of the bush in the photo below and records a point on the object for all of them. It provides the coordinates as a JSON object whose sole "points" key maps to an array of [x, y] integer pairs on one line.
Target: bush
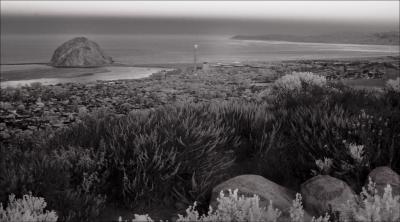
{"points": [[241, 208], [298, 88], [310, 134], [59, 180], [233, 208], [180, 152], [315, 121], [370, 207], [393, 84], [13, 94], [298, 82], [373, 207], [146, 161], [29, 208]]}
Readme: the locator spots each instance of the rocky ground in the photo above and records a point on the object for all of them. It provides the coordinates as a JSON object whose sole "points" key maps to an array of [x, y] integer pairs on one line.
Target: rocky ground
{"points": [[374, 68], [27, 109]]}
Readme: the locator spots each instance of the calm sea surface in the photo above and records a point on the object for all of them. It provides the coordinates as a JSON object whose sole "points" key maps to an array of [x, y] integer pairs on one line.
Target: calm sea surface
{"points": [[151, 49]]}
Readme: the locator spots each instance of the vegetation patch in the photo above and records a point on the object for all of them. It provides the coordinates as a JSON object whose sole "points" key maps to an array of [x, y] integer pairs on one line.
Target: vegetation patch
{"points": [[178, 153]]}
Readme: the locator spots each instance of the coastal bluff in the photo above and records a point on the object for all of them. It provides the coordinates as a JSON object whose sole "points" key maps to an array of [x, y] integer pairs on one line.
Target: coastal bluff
{"points": [[79, 52]]}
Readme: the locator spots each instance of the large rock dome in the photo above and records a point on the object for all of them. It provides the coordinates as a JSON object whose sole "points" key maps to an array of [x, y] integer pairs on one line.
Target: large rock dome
{"points": [[79, 52]]}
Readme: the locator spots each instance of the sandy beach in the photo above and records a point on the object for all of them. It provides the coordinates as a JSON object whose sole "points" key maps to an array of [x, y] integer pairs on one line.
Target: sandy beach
{"points": [[19, 75]]}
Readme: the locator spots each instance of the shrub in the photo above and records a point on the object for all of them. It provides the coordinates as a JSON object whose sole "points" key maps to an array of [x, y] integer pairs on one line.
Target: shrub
{"points": [[179, 152], [393, 84], [324, 166], [252, 123], [29, 208], [298, 88], [241, 208], [353, 100], [296, 210], [233, 208], [379, 132], [298, 82], [259, 133], [138, 218], [312, 133], [77, 205], [13, 94], [373, 207], [146, 161], [55, 177], [230, 208], [36, 85]]}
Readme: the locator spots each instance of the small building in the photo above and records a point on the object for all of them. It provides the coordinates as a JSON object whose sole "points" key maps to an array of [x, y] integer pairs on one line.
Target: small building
{"points": [[206, 66]]}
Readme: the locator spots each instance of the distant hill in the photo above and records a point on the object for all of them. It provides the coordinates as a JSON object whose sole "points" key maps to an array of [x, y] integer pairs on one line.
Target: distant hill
{"points": [[382, 38]]}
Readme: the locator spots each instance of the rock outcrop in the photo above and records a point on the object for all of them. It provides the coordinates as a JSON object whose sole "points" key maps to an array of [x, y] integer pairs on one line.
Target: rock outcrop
{"points": [[248, 185], [382, 176], [79, 52], [323, 192]]}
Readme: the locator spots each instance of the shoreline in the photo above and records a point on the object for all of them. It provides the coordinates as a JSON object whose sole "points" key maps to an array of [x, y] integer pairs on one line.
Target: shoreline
{"points": [[319, 40], [48, 75], [312, 42]]}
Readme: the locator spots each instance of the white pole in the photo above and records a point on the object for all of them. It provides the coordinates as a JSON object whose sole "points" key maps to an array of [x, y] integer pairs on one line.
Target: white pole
{"points": [[195, 46]]}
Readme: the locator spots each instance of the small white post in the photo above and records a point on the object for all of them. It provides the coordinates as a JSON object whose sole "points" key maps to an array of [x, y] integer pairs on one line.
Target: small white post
{"points": [[195, 46]]}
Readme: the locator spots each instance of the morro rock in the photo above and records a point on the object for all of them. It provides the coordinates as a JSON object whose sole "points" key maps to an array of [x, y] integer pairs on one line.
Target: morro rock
{"points": [[79, 52]]}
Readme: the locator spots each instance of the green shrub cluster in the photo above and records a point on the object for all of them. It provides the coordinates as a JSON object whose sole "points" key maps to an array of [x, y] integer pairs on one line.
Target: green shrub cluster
{"points": [[180, 152]]}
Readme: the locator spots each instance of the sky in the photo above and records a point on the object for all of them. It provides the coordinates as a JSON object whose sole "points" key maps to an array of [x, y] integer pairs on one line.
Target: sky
{"points": [[196, 17]]}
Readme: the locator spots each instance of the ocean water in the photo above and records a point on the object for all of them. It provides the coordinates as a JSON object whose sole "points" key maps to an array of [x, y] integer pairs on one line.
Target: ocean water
{"points": [[155, 49]]}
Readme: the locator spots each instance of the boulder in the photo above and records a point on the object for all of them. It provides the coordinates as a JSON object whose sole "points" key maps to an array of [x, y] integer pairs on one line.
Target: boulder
{"points": [[248, 185], [323, 192], [79, 52], [382, 176]]}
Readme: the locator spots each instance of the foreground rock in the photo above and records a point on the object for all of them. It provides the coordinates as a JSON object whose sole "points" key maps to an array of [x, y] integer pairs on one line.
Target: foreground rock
{"points": [[382, 176], [322, 192], [248, 185], [79, 52]]}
